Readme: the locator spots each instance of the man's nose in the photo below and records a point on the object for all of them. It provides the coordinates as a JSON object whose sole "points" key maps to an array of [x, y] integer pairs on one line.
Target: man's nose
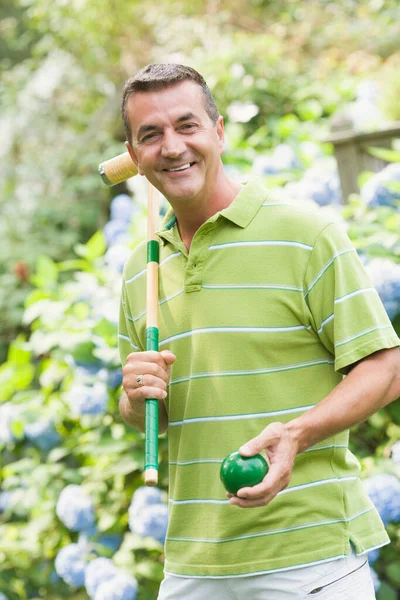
{"points": [[172, 145]]}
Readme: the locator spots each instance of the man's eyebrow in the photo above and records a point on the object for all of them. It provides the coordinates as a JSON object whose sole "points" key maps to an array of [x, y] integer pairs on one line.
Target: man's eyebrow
{"points": [[150, 127]]}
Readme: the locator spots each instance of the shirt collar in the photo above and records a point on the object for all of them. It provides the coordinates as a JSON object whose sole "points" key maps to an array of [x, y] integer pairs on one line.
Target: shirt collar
{"points": [[241, 211]]}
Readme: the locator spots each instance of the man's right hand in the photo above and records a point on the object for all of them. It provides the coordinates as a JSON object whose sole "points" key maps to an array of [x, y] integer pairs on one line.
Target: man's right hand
{"points": [[155, 370]]}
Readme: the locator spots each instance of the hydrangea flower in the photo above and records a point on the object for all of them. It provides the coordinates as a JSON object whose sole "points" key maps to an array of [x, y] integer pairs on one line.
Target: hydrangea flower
{"points": [[75, 509], [282, 159], [150, 521], [385, 275], [396, 452], [70, 565], [373, 556], [8, 414], [320, 184], [116, 232], [88, 399], [384, 491], [43, 434], [377, 192], [144, 496], [116, 257], [6, 498], [2, 596], [114, 378], [375, 579], [120, 587], [99, 570], [122, 208]]}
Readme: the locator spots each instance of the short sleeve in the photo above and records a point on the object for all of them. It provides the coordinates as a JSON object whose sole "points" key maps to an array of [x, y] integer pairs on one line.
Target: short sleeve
{"points": [[344, 308], [127, 338]]}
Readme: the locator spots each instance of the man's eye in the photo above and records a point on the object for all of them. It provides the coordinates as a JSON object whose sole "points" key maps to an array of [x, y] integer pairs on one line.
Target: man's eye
{"points": [[188, 126], [148, 137]]}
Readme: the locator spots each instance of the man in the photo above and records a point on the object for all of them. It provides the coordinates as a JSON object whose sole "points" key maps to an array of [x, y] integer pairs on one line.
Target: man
{"points": [[263, 308]]}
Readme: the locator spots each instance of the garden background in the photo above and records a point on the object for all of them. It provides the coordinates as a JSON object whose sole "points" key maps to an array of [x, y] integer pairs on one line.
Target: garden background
{"points": [[281, 74]]}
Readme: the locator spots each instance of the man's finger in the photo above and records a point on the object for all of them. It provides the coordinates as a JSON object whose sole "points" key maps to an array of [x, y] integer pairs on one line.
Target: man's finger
{"points": [[267, 437]]}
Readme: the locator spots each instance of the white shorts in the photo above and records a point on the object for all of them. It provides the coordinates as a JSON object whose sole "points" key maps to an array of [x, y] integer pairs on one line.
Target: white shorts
{"points": [[342, 579]]}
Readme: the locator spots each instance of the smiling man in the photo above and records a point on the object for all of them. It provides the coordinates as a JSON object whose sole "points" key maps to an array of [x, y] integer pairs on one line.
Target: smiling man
{"points": [[272, 338]]}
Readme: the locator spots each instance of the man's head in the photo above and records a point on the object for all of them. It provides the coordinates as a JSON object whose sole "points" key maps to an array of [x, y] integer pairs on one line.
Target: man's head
{"points": [[175, 135], [158, 77]]}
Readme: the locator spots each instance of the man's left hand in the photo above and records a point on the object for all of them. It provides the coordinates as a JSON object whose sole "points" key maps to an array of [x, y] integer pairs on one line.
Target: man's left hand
{"points": [[281, 449]]}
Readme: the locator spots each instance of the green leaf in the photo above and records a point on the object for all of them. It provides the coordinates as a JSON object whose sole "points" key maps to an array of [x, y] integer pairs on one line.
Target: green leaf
{"points": [[386, 592], [385, 154], [94, 248], [309, 110], [150, 570], [46, 272], [17, 353], [393, 573]]}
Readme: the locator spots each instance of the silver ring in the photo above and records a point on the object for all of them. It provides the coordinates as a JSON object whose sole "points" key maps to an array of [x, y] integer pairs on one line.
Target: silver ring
{"points": [[139, 380]]}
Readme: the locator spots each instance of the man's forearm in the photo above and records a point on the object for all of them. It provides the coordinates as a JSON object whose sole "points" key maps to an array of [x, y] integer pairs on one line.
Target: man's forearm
{"points": [[372, 384], [135, 416]]}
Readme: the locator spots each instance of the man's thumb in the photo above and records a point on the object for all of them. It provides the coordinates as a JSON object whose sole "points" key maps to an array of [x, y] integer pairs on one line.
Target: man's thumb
{"points": [[168, 356]]}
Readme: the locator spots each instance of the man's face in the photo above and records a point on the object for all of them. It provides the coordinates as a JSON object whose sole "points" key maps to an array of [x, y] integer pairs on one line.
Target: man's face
{"points": [[170, 129]]}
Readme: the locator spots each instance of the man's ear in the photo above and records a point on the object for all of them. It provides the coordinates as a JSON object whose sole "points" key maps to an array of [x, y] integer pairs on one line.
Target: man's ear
{"points": [[133, 156], [221, 134]]}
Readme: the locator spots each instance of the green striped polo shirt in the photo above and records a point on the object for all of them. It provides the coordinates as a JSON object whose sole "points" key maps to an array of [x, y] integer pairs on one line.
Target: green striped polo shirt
{"points": [[265, 314]]}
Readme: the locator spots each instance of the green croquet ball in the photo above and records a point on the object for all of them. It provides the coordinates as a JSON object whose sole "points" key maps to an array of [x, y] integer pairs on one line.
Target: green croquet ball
{"points": [[239, 471]]}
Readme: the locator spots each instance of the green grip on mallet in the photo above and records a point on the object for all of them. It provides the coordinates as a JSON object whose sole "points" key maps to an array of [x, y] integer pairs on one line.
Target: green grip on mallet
{"points": [[151, 414]]}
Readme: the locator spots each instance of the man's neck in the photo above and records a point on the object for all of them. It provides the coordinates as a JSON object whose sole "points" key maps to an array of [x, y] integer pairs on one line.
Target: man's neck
{"points": [[190, 216]]}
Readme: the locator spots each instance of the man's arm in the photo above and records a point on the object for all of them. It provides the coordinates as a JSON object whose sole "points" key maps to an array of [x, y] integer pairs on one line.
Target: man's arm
{"points": [[369, 386], [373, 383]]}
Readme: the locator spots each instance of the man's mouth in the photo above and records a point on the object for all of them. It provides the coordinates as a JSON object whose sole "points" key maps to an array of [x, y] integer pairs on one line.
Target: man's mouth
{"points": [[181, 168]]}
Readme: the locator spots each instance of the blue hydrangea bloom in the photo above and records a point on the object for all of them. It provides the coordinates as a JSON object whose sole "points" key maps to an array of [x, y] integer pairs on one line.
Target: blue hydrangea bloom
{"points": [[320, 184], [375, 579], [75, 509], [373, 556], [384, 491], [2, 596], [144, 496], [396, 452], [43, 434], [122, 208], [99, 570], [120, 587], [150, 521], [6, 499], [114, 378], [70, 565], [385, 275], [112, 541], [88, 399], [8, 414], [282, 159], [376, 191], [116, 257], [116, 232]]}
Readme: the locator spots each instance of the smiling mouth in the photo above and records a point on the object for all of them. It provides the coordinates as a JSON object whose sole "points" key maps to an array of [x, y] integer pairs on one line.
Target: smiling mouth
{"points": [[184, 167]]}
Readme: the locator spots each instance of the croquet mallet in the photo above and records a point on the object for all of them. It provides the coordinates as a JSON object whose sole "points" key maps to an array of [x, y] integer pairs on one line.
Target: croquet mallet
{"points": [[115, 171]]}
